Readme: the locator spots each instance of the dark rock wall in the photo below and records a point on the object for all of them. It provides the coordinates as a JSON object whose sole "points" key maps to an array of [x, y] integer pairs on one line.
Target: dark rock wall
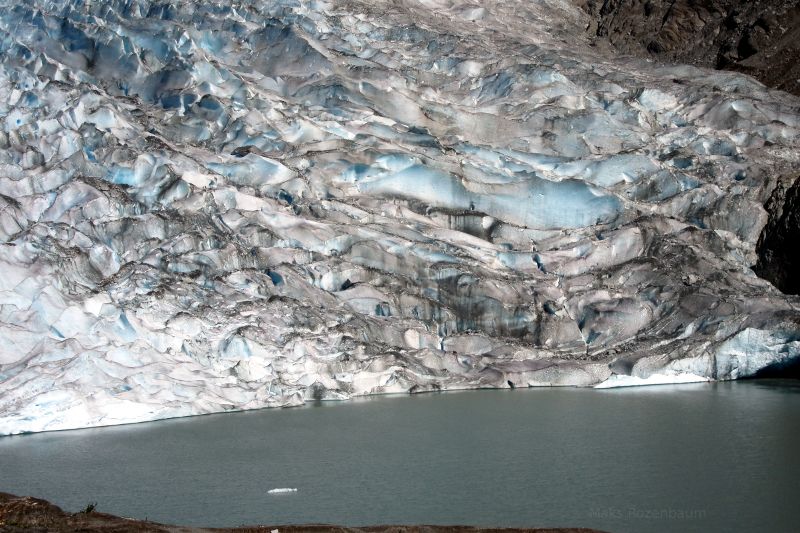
{"points": [[779, 245], [759, 38]]}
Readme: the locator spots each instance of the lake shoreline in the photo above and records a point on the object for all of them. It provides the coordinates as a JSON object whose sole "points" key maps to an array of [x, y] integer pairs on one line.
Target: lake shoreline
{"points": [[608, 385], [19, 513]]}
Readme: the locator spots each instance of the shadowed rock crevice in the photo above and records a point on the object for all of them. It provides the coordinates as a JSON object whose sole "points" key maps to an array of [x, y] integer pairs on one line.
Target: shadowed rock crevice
{"points": [[777, 248], [785, 369]]}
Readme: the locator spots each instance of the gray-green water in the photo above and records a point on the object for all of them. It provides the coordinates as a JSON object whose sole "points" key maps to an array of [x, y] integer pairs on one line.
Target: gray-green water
{"points": [[707, 457]]}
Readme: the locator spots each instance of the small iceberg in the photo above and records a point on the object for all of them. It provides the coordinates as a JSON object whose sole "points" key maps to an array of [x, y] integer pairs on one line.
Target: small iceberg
{"points": [[280, 491]]}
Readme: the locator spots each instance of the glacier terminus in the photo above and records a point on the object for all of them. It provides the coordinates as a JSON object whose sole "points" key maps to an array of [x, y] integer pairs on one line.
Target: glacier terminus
{"points": [[214, 206]]}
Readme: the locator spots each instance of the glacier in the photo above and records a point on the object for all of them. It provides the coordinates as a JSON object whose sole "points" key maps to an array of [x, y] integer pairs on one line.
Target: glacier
{"points": [[215, 206]]}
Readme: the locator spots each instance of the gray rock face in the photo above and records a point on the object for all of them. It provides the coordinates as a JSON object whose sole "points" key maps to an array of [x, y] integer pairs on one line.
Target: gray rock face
{"points": [[778, 254], [212, 207], [760, 38]]}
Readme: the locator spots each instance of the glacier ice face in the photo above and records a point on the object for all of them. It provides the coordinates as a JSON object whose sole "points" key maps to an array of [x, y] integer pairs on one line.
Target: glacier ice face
{"points": [[209, 207]]}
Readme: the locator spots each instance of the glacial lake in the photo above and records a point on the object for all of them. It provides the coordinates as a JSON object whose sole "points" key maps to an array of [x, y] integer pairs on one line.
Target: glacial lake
{"points": [[700, 457]]}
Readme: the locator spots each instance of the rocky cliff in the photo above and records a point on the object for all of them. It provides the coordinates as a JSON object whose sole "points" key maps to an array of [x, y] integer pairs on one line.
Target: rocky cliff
{"points": [[761, 38]]}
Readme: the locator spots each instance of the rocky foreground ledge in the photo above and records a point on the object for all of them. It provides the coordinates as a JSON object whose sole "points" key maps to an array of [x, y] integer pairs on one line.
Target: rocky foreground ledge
{"points": [[23, 513]]}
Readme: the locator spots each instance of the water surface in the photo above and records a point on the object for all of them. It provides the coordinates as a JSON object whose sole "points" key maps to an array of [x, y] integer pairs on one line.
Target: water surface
{"points": [[704, 457]]}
